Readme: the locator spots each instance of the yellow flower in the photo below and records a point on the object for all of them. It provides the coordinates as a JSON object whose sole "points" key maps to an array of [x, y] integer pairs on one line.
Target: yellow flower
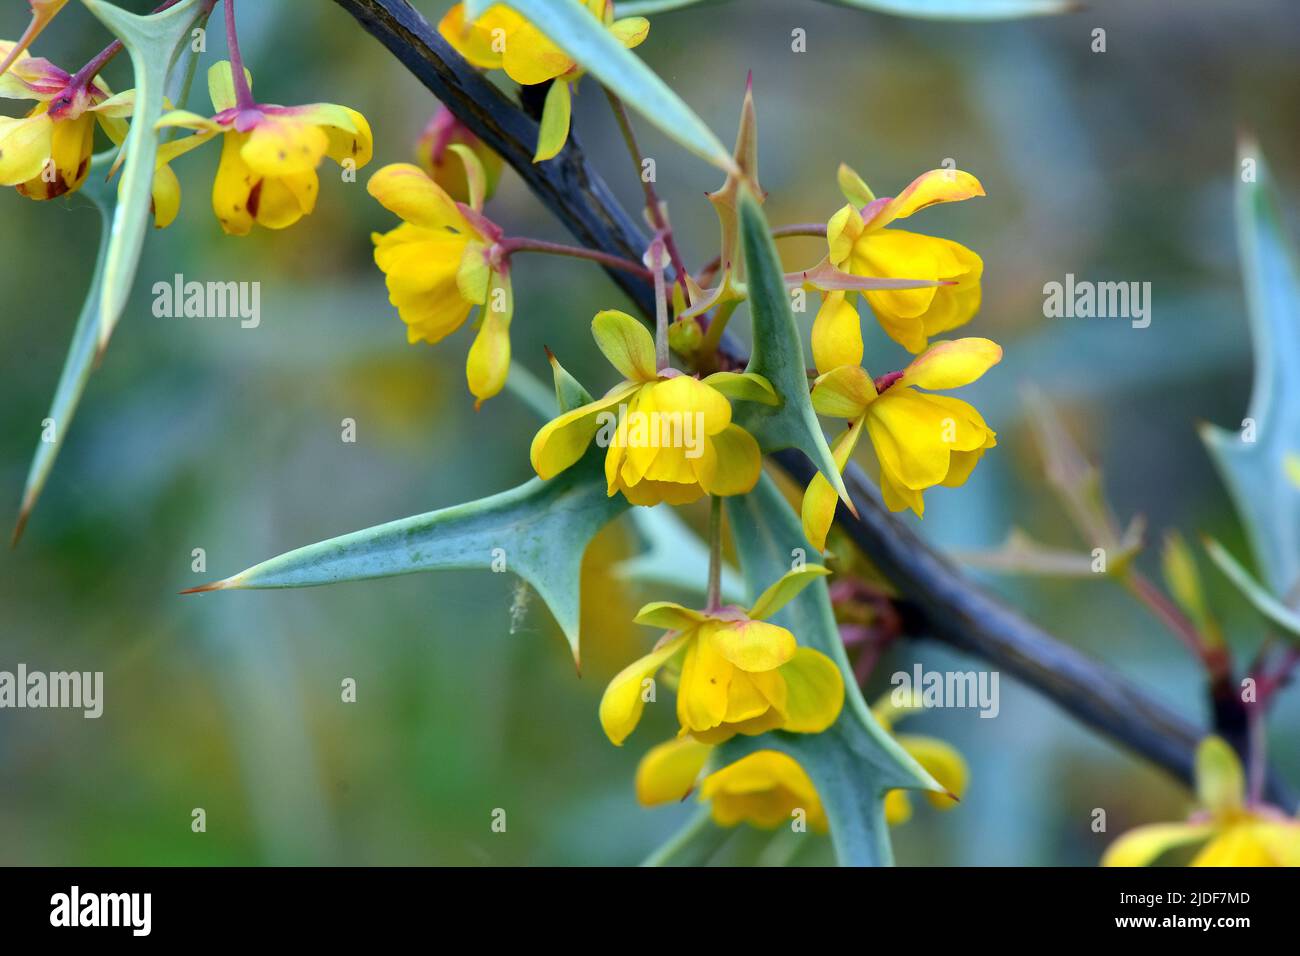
{"points": [[1231, 832], [860, 244], [436, 156], [738, 673], [270, 154], [763, 789], [47, 153], [921, 440], [668, 437], [502, 39], [940, 759], [441, 262]]}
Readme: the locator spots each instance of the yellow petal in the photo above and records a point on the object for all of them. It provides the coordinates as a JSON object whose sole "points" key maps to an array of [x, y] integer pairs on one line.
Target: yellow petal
{"points": [[630, 31], [166, 197], [898, 807], [482, 42], [842, 233], [1220, 782], [764, 789], [784, 590], [232, 187], [843, 392], [814, 691], [1235, 846], [819, 501], [744, 386], [705, 679], [910, 432], [752, 645], [283, 147], [853, 187], [899, 497], [553, 132], [936, 186], [667, 773], [952, 364], [731, 464], [836, 333], [531, 58], [408, 191], [221, 85], [562, 440], [1142, 846], [489, 357], [623, 701], [626, 343], [24, 147], [280, 201], [668, 616]]}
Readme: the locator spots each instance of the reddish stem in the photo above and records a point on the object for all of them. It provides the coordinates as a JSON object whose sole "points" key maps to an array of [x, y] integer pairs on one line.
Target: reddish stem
{"points": [[243, 93], [518, 244]]}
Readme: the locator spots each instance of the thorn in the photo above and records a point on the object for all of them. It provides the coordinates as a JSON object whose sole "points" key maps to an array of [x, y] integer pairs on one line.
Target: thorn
{"points": [[550, 356], [749, 82], [204, 588], [20, 526]]}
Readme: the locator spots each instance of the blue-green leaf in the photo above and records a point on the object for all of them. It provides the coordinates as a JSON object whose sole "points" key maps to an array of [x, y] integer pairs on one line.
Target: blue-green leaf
{"points": [[80, 360], [153, 43], [542, 529], [854, 763], [1260, 473], [572, 28], [778, 354], [1255, 592], [963, 9], [649, 8]]}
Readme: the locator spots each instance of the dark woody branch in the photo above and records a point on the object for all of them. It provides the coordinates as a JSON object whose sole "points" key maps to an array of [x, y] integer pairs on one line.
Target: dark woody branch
{"points": [[951, 609]]}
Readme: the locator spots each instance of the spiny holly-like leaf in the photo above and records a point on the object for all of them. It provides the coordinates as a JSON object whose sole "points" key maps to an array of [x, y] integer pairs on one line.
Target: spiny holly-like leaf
{"points": [[963, 9], [583, 37], [153, 43], [542, 528], [854, 763], [81, 353], [1257, 471], [778, 354]]}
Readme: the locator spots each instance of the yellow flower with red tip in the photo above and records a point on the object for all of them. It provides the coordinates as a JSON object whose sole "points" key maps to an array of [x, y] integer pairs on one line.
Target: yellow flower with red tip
{"points": [[270, 154], [502, 39], [1229, 830], [441, 262], [47, 153], [920, 439], [736, 672], [668, 437], [861, 244]]}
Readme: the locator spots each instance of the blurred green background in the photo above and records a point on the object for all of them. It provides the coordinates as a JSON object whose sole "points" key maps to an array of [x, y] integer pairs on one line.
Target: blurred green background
{"points": [[199, 434]]}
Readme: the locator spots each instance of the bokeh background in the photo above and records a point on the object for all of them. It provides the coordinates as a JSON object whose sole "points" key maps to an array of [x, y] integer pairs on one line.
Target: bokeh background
{"points": [[199, 434]]}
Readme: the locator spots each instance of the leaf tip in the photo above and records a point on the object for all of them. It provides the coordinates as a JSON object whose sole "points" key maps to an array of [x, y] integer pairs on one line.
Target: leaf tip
{"points": [[222, 585]]}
